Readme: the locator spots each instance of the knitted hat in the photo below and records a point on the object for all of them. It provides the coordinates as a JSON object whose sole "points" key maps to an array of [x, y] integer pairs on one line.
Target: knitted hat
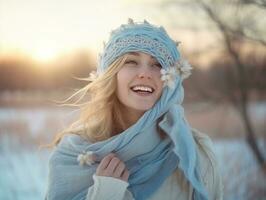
{"points": [[147, 38]]}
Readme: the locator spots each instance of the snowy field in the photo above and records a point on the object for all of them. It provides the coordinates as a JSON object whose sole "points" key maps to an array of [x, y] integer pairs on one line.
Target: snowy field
{"points": [[23, 169]]}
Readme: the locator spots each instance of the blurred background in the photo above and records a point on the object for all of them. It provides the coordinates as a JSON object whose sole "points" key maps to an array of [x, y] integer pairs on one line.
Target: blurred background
{"points": [[44, 45]]}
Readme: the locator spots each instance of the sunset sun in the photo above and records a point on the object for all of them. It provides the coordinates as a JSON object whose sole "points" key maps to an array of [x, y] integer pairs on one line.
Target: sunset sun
{"points": [[45, 54]]}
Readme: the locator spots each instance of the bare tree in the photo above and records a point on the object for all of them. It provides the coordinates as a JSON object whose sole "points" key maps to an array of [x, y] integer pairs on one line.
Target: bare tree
{"points": [[230, 36], [236, 22]]}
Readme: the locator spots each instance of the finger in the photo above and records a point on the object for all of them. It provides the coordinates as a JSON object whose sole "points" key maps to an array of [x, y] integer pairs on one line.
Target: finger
{"points": [[112, 165], [119, 170], [105, 162], [125, 175]]}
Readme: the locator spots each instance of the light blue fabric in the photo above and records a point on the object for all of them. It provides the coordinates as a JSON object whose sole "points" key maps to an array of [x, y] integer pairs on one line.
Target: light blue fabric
{"points": [[142, 37], [149, 159]]}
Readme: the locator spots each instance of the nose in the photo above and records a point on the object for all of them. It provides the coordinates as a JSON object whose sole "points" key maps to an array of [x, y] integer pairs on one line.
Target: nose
{"points": [[144, 72]]}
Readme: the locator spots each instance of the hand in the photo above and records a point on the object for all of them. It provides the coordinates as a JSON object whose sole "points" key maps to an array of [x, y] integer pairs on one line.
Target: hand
{"points": [[113, 167]]}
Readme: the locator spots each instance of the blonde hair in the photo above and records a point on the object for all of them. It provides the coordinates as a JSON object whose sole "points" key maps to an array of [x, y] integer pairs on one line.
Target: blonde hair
{"points": [[101, 115]]}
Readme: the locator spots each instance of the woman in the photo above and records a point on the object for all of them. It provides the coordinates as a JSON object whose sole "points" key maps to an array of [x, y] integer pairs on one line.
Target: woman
{"points": [[132, 140]]}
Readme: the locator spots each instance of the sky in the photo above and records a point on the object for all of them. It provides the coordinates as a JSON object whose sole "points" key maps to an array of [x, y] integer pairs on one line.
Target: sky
{"points": [[45, 29]]}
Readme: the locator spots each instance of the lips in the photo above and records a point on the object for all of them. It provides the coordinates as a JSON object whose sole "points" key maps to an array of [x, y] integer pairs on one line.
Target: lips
{"points": [[143, 89]]}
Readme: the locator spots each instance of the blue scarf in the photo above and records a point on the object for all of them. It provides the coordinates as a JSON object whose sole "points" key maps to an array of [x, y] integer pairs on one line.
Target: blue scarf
{"points": [[149, 159]]}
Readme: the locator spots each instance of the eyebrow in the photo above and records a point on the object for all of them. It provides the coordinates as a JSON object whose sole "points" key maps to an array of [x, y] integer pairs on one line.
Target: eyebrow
{"points": [[134, 53]]}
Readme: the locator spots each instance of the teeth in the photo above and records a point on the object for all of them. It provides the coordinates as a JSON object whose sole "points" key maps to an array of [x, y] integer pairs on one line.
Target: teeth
{"points": [[142, 88]]}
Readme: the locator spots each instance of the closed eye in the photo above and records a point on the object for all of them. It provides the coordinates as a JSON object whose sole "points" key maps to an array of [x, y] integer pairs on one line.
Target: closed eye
{"points": [[157, 65], [131, 62]]}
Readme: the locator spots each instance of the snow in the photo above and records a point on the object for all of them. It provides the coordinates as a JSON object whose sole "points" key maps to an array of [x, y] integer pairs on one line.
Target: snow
{"points": [[24, 168]]}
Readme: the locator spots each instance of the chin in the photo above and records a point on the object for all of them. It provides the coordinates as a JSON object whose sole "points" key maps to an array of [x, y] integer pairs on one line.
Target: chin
{"points": [[143, 108]]}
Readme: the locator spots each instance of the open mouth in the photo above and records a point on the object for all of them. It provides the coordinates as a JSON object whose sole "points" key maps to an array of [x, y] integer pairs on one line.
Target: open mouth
{"points": [[142, 89]]}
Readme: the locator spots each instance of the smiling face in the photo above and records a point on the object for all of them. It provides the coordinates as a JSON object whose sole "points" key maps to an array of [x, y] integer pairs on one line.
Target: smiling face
{"points": [[139, 83]]}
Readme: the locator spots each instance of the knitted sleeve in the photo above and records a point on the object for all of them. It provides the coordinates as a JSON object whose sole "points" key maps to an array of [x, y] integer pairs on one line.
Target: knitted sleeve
{"points": [[108, 188]]}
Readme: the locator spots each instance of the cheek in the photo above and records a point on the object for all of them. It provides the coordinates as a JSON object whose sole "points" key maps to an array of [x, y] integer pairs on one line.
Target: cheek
{"points": [[160, 89], [122, 77], [158, 80], [125, 75], [159, 83]]}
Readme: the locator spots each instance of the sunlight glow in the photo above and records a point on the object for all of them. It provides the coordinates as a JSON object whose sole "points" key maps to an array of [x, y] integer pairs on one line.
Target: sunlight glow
{"points": [[44, 55], [46, 29]]}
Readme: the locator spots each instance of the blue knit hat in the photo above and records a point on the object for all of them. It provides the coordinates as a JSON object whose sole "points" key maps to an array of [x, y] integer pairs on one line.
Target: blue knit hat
{"points": [[146, 38]]}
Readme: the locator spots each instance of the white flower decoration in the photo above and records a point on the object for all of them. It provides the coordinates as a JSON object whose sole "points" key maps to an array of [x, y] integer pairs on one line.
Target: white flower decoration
{"points": [[86, 158], [183, 68], [168, 76], [93, 75]]}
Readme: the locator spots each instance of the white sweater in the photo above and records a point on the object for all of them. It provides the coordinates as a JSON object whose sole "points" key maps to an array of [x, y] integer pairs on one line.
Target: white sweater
{"points": [[173, 188]]}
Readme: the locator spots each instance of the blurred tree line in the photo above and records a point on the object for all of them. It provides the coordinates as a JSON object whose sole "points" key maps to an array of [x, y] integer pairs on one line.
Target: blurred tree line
{"points": [[23, 73], [19, 72]]}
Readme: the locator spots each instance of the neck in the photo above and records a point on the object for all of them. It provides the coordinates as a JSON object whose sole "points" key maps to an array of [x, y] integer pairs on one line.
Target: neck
{"points": [[130, 115]]}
